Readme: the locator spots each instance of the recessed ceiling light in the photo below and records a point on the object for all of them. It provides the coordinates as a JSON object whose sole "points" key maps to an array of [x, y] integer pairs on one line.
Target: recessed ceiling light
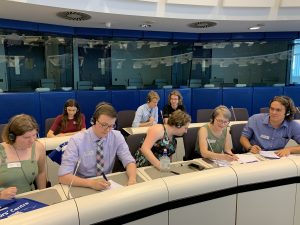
{"points": [[202, 24], [145, 25], [73, 15], [256, 27]]}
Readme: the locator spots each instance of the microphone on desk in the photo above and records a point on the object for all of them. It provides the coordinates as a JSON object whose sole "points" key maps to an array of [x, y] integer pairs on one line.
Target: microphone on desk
{"points": [[74, 174], [298, 109], [162, 116], [232, 109]]}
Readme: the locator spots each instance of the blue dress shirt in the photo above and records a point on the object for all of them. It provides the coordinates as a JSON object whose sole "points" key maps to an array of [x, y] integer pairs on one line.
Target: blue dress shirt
{"points": [[143, 113], [83, 146], [260, 132]]}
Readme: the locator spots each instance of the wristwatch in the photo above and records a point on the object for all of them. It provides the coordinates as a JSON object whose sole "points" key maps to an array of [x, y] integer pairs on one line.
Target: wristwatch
{"points": [[249, 149]]}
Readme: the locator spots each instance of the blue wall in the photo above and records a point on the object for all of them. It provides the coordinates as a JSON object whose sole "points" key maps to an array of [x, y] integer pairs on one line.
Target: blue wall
{"points": [[50, 104]]}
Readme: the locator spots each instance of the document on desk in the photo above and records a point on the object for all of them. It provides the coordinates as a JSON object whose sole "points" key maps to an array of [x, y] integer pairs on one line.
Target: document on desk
{"points": [[246, 158], [114, 185], [269, 154]]}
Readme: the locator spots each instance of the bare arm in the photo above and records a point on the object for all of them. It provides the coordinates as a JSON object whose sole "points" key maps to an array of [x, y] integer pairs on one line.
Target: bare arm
{"points": [[247, 145], [41, 177], [154, 133], [288, 150], [131, 173], [205, 152], [67, 179]]}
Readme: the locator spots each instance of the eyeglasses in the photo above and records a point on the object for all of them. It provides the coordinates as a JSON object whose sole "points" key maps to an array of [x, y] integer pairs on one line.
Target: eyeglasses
{"points": [[222, 122], [107, 126]]}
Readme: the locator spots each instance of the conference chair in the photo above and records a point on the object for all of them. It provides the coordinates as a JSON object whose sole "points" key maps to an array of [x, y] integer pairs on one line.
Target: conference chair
{"points": [[48, 124], [189, 142], [133, 141], [239, 114], [2, 126], [194, 83], [135, 82], [48, 83], [264, 110], [125, 119], [203, 115], [84, 85], [297, 114], [160, 82], [236, 132]]}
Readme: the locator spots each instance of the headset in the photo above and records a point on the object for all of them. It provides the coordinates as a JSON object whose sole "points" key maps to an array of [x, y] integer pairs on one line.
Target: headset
{"points": [[148, 99], [100, 107], [11, 135], [286, 101], [214, 112]]}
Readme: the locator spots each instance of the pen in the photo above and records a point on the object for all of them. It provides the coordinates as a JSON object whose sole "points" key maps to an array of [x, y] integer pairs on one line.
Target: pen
{"points": [[174, 172], [105, 178]]}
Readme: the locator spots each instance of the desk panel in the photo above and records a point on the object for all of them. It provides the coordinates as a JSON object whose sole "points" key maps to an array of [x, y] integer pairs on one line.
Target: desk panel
{"points": [[123, 205], [120, 178]]}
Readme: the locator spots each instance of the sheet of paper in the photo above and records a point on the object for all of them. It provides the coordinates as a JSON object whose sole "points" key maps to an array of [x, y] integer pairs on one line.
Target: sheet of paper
{"points": [[114, 185], [269, 154], [246, 158]]}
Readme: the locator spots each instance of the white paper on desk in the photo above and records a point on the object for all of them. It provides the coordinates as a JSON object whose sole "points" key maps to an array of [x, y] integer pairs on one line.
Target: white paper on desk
{"points": [[114, 185], [269, 154], [246, 158], [221, 163]]}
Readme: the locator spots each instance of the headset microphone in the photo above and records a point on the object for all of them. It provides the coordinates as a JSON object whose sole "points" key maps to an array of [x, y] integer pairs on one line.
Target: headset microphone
{"points": [[233, 113], [71, 183]]}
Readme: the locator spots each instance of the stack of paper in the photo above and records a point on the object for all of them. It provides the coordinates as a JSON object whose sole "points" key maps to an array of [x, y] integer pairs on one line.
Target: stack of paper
{"points": [[246, 158], [269, 154]]}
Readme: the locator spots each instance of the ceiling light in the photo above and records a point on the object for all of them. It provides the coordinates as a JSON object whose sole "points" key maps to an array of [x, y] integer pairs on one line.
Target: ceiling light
{"points": [[145, 25], [202, 24], [256, 27], [72, 15]]}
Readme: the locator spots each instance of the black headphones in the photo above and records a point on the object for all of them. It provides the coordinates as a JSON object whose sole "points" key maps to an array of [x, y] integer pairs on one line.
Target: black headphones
{"points": [[287, 103], [11, 135], [148, 98], [214, 112], [97, 112]]}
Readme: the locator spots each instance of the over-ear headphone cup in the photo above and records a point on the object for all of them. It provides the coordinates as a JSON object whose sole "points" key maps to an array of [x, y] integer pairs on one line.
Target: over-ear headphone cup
{"points": [[11, 136]]}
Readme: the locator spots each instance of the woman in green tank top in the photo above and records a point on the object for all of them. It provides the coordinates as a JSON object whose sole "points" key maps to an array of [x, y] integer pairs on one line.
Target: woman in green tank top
{"points": [[213, 141], [22, 157]]}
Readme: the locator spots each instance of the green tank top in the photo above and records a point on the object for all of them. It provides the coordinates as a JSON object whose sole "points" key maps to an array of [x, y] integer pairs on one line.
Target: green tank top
{"points": [[216, 143], [16, 176]]}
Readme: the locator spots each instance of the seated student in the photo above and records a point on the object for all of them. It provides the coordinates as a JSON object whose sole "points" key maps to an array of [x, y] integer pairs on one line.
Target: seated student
{"points": [[95, 150], [273, 130], [22, 157], [175, 102], [68, 123], [214, 141], [147, 114], [160, 137]]}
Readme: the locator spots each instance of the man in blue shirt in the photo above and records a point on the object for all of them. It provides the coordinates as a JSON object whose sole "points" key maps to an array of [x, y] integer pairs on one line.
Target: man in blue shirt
{"points": [[272, 131], [82, 147], [147, 114]]}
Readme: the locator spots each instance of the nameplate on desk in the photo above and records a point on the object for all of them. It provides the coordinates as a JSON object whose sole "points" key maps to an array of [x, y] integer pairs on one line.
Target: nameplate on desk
{"points": [[17, 206]]}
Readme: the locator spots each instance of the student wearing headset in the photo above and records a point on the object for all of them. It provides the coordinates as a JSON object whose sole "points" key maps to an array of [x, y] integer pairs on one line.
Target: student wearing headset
{"points": [[69, 122], [213, 141], [22, 157], [175, 102], [82, 152], [160, 137], [147, 114], [272, 131]]}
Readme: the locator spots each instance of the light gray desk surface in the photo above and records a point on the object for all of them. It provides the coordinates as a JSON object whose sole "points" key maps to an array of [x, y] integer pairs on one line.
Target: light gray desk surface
{"points": [[120, 178], [180, 168], [48, 196]]}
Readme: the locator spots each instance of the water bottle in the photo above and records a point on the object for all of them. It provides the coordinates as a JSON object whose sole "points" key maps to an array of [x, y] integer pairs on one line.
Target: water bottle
{"points": [[165, 161]]}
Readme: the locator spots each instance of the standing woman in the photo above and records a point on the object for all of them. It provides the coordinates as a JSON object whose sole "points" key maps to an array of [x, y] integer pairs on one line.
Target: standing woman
{"points": [[22, 157], [175, 102], [68, 123], [160, 137], [213, 141]]}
